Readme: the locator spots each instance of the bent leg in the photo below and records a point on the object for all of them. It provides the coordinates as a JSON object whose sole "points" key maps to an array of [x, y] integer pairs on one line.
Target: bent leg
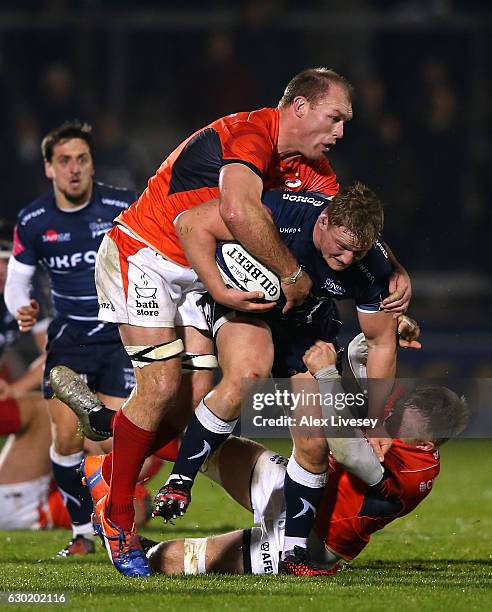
{"points": [[305, 481], [245, 350], [157, 381]]}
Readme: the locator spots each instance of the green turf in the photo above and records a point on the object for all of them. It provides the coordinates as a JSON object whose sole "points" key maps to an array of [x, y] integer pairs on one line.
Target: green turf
{"points": [[437, 558]]}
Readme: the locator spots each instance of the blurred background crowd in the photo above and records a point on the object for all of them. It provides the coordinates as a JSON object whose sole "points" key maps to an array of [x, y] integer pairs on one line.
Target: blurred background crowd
{"points": [[147, 73]]}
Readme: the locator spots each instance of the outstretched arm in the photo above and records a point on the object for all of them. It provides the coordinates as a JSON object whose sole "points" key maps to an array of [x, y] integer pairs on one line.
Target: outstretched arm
{"points": [[347, 444], [380, 331]]}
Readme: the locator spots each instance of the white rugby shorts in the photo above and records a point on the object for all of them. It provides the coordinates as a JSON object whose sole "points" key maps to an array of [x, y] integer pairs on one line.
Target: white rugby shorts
{"points": [[267, 499], [136, 285], [24, 504]]}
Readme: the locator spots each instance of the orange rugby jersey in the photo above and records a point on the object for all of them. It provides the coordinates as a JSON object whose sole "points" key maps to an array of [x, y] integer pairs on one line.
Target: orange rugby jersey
{"points": [[349, 513], [190, 175]]}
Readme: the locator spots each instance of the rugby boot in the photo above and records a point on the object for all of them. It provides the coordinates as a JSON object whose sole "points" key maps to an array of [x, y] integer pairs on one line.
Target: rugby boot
{"points": [[78, 546], [173, 499], [91, 472], [123, 547], [300, 564], [72, 391]]}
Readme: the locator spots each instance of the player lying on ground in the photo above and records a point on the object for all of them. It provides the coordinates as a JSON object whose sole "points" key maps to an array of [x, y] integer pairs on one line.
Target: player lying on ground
{"points": [[338, 243], [350, 510], [86, 405]]}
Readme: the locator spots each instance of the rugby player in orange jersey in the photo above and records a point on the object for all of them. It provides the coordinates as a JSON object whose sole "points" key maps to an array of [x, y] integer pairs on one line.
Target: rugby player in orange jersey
{"points": [[144, 283], [352, 508]]}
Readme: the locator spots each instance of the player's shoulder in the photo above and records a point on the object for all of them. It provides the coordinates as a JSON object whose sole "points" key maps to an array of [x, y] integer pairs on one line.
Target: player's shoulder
{"points": [[36, 210], [302, 201], [264, 120], [297, 211], [113, 197], [410, 459]]}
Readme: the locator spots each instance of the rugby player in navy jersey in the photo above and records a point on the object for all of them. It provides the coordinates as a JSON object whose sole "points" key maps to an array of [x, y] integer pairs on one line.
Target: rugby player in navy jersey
{"points": [[61, 231], [337, 243]]}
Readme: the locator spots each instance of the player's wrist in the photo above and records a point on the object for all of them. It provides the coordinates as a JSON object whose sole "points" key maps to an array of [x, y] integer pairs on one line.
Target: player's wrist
{"points": [[327, 372], [293, 277]]}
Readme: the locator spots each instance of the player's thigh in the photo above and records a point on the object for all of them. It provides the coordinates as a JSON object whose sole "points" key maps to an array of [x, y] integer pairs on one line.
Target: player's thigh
{"points": [[236, 461], [66, 438], [245, 348], [26, 455]]}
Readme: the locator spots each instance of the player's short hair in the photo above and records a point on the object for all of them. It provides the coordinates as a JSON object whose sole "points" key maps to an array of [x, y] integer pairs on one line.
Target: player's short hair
{"points": [[442, 413], [358, 209], [312, 84], [66, 131]]}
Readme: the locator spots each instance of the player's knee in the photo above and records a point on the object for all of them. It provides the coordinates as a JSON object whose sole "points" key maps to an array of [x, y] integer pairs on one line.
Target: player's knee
{"points": [[67, 443], [311, 453], [228, 395]]}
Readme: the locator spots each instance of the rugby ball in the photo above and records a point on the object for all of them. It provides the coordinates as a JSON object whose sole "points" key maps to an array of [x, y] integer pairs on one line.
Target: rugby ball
{"points": [[240, 270]]}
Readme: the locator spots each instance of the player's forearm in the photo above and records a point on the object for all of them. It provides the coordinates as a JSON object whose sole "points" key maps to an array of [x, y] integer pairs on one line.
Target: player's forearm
{"points": [[381, 370], [17, 291], [199, 244], [347, 443], [251, 224]]}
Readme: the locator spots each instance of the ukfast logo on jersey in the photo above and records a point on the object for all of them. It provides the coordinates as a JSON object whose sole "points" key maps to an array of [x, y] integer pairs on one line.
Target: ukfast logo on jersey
{"points": [[293, 197], [35, 213], [333, 287], [66, 262], [53, 235], [365, 271], [289, 230], [100, 228], [116, 203]]}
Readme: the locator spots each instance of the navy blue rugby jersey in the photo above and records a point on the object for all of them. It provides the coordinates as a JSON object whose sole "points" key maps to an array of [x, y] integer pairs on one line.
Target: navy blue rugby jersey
{"points": [[366, 281], [65, 244]]}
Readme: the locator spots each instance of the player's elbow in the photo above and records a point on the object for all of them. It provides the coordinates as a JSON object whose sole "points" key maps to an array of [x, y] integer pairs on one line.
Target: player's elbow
{"points": [[233, 212]]}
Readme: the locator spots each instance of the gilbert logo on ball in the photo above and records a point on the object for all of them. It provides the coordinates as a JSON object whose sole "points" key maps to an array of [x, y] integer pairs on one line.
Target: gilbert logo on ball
{"points": [[240, 270]]}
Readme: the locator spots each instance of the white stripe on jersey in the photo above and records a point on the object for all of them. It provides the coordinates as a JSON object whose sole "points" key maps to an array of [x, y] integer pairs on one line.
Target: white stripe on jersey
{"points": [[73, 297]]}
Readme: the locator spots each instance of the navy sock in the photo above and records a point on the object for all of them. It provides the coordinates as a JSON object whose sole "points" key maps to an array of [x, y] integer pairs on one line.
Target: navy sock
{"points": [[75, 495], [303, 491], [204, 434]]}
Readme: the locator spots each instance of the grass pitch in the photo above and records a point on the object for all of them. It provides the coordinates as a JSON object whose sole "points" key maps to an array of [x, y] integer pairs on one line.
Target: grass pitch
{"points": [[437, 558]]}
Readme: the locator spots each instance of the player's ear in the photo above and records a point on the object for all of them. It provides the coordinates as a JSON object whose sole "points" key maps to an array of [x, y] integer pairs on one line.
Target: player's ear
{"points": [[300, 105], [323, 221], [48, 169]]}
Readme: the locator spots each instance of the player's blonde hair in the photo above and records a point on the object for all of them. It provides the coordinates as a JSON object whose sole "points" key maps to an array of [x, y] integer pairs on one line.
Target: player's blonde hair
{"points": [[360, 211]]}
